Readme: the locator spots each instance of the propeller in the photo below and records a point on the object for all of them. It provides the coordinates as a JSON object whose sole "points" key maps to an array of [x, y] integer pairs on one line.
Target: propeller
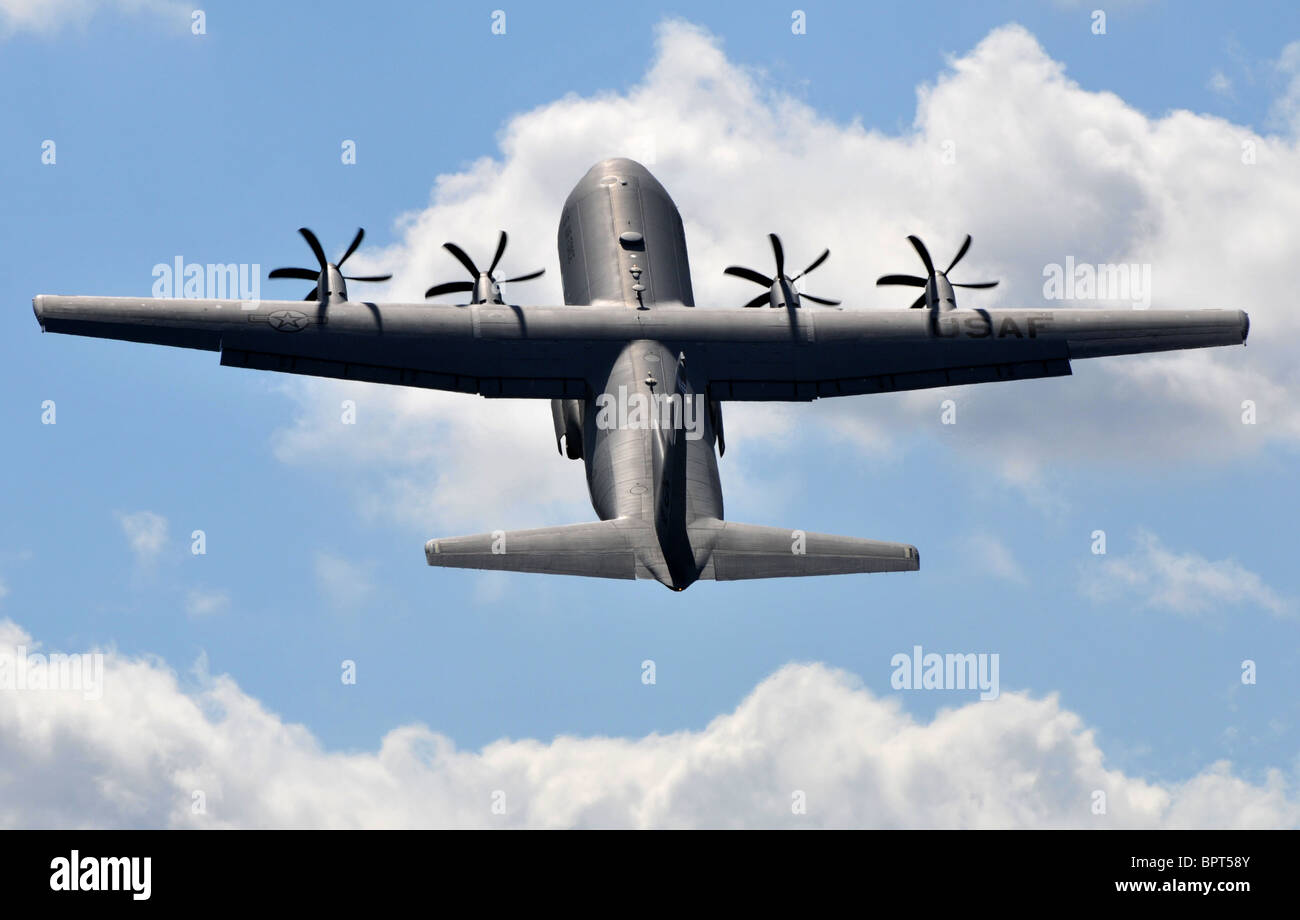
{"points": [[781, 290], [485, 287], [315, 275], [932, 282]]}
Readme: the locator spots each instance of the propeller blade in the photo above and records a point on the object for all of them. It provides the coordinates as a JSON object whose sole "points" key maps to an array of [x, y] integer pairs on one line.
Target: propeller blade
{"points": [[368, 277], [820, 300], [315, 246], [816, 262], [528, 277], [779, 251], [982, 284], [450, 287], [356, 241], [313, 294], [748, 274], [462, 258], [908, 280], [960, 252], [918, 303], [923, 253], [761, 300], [501, 248], [302, 274]]}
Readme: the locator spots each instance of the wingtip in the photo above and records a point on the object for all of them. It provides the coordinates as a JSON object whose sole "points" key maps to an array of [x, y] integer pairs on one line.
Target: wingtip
{"points": [[38, 307], [1245, 326]]}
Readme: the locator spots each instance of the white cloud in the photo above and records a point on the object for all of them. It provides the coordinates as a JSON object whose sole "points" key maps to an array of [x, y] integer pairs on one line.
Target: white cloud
{"points": [[437, 460], [345, 584], [137, 756], [990, 556], [1044, 169], [51, 15], [1286, 109], [146, 533], [203, 603], [1183, 583]]}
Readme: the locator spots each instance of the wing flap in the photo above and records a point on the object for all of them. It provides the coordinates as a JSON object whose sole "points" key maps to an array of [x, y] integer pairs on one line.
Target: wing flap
{"points": [[505, 387], [794, 390]]}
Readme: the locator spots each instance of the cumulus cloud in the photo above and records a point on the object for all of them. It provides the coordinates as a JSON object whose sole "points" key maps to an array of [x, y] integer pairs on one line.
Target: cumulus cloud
{"points": [[51, 15], [138, 756], [1184, 583], [437, 458], [146, 534], [1003, 145]]}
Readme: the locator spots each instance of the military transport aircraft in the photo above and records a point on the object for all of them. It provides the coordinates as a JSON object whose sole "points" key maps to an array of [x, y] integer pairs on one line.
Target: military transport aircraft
{"points": [[637, 377]]}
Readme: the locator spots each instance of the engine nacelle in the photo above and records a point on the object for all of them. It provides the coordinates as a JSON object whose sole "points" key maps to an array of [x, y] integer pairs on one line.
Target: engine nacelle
{"points": [[567, 416]]}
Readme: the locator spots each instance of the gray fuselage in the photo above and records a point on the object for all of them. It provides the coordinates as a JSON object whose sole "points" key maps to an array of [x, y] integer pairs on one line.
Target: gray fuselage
{"points": [[621, 243]]}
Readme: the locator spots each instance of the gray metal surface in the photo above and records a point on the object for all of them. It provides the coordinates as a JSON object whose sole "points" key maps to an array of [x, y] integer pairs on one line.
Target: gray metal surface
{"points": [[629, 327]]}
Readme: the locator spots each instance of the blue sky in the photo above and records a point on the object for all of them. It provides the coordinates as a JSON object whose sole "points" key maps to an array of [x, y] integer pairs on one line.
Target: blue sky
{"points": [[217, 147]]}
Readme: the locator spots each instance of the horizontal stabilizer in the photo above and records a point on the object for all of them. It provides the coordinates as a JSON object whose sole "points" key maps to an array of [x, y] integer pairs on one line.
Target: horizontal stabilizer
{"points": [[600, 549], [743, 551]]}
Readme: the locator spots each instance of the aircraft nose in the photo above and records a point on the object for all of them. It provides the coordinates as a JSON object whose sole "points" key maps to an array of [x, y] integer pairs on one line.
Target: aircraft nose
{"points": [[620, 166]]}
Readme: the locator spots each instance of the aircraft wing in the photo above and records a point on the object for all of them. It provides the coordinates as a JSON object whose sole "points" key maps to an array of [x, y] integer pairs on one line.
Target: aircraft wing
{"points": [[492, 350], [553, 352], [809, 354]]}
